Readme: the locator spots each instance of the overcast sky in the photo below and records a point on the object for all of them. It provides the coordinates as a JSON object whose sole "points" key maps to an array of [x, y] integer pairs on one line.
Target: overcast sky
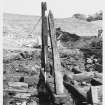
{"points": [[60, 8]]}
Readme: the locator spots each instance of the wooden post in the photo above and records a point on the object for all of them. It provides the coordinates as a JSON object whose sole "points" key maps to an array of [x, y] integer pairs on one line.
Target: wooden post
{"points": [[56, 60], [44, 53], [44, 35]]}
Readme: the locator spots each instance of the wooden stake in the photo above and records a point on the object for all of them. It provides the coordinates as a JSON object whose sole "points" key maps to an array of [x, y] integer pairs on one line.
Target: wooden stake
{"points": [[56, 60], [44, 53]]}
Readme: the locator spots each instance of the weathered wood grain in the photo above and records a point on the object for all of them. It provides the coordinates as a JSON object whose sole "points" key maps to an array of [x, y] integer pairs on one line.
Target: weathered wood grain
{"points": [[56, 60]]}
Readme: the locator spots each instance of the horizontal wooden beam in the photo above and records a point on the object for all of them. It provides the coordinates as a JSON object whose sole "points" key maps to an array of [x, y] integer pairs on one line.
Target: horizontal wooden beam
{"points": [[80, 77], [33, 91], [85, 76], [77, 92]]}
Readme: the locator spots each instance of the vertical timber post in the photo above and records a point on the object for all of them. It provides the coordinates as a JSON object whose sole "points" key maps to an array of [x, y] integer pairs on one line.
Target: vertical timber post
{"points": [[59, 87], [44, 35], [44, 56]]}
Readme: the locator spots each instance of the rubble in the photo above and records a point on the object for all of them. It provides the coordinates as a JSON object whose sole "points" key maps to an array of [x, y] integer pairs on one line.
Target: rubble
{"points": [[54, 75]]}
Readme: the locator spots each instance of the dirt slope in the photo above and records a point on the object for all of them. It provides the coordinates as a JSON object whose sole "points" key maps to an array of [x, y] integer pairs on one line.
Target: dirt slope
{"points": [[18, 27], [22, 25]]}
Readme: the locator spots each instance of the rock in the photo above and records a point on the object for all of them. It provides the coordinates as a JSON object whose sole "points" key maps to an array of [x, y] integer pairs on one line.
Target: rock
{"points": [[18, 103], [23, 95], [24, 103], [89, 60], [32, 103]]}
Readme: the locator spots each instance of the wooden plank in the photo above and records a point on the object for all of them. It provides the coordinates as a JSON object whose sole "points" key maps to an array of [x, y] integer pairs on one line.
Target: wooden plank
{"points": [[33, 91], [77, 92], [16, 78], [85, 76], [93, 96], [22, 95], [18, 84], [19, 76], [56, 60], [94, 93]]}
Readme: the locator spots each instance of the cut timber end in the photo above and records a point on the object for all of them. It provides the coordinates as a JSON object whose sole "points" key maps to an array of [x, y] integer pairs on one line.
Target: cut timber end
{"points": [[56, 60]]}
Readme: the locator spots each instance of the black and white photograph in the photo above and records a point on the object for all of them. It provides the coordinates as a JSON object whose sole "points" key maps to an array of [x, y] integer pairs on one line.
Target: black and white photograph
{"points": [[52, 52]]}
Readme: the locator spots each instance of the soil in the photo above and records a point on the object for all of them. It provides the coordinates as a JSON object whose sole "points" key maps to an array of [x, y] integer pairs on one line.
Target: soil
{"points": [[22, 63]]}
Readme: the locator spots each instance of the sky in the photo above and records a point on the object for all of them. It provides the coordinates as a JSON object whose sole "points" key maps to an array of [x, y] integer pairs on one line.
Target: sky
{"points": [[60, 8]]}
